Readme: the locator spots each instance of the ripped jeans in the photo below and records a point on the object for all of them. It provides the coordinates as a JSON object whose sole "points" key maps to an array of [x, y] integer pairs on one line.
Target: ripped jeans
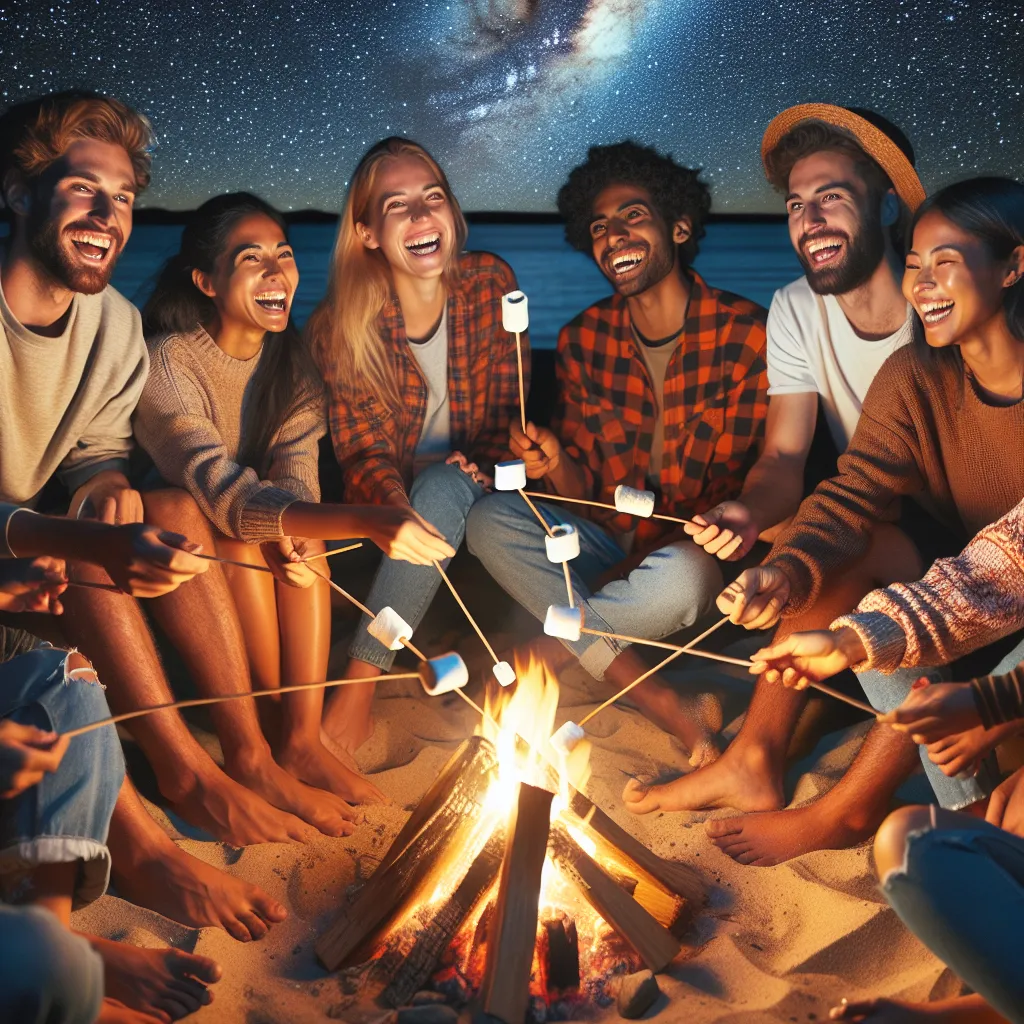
{"points": [[961, 892]]}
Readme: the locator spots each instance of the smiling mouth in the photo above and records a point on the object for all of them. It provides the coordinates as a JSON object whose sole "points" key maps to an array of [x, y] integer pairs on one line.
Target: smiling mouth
{"points": [[93, 245], [426, 245], [823, 250], [933, 313], [626, 261], [272, 302]]}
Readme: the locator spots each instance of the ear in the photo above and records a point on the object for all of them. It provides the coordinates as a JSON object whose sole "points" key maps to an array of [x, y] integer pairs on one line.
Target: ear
{"points": [[366, 236], [202, 281], [890, 209], [682, 230], [1015, 267], [16, 194]]}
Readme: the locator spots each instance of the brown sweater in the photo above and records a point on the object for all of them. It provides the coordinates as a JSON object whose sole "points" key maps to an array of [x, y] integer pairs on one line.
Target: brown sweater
{"points": [[923, 430], [189, 420]]}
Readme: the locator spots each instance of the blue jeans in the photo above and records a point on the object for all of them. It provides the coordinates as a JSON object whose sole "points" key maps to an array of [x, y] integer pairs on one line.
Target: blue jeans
{"points": [[66, 816], [670, 590], [443, 495], [48, 975], [886, 692], [961, 892]]}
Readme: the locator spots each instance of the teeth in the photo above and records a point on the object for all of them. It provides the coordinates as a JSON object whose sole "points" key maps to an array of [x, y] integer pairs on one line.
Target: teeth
{"points": [[626, 261], [930, 307], [271, 297], [823, 243], [424, 242], [88, 238]]}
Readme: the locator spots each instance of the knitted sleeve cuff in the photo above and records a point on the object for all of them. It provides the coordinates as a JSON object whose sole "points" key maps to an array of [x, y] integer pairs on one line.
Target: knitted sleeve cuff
{"points": [[260, 518], [883, 640], [999, 699]]}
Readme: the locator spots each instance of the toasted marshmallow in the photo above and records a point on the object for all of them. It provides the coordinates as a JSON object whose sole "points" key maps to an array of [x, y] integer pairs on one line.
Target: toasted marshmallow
{"points": [[564, 622], [634, 502], [510, 476], [443, 674], [515, 316], [389, 628]]}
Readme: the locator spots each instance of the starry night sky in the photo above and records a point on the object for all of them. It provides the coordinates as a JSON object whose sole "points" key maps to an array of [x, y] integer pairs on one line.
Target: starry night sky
{"points": [[282, 98]]}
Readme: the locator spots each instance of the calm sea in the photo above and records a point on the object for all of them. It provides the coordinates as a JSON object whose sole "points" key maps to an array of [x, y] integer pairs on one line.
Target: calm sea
{"points": [[750, 259]]}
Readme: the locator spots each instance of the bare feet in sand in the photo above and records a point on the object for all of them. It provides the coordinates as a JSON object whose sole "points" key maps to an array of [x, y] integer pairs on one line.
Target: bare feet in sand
{"points": [[962, 1010], [740, 778], [190, 891], [323, 810], [693, 721], [167, 983], [348, 717], [313, 763]]}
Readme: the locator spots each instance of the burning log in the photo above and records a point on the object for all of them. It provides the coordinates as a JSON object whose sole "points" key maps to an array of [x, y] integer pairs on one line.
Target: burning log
{"points": [[560, 957], [655, 944], [513, 934], [430, 945], [442, 822]]}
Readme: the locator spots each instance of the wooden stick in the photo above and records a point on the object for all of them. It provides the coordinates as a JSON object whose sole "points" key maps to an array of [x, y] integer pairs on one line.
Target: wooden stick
{"points": [[604, 504], [568, 584], [472, 621], [86, 584], [650, 672], [200, 701], [505, 992], [536, 512], [332, 553], [522, 389]]}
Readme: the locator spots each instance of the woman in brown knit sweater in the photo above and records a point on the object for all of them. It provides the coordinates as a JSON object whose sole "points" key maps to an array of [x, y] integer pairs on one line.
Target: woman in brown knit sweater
{"points": [[943, 420], [232, 414]]}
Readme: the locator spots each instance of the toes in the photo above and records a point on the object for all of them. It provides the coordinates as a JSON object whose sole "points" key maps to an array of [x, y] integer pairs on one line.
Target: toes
{"points": [[237, 930], [191, 965], [255, 927], [718, 828], [270, 910], [640, 798]]}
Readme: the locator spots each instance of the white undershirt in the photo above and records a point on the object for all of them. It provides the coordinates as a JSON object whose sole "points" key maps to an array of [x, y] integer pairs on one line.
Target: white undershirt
{"points": [[432, 358]]}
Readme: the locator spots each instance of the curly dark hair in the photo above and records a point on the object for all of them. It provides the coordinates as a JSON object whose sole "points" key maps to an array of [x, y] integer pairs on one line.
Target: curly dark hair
{"points": [[676, 191]]}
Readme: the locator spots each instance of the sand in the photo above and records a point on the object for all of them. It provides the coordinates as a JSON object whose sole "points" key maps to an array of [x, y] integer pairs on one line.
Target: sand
{"points": [[776, 944]]}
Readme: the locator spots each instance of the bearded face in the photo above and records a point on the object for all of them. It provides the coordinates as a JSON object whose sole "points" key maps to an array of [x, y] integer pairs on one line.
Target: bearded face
{"points": [[80, 256], [836, 263]]}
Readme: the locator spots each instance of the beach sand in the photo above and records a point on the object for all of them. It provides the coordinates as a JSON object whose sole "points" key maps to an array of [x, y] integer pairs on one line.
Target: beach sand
{"points": [[779, 944]]}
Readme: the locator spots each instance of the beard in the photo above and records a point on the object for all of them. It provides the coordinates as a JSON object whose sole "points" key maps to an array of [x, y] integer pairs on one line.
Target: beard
{"points": [[863, 254], [55, 253], [657, 266]]}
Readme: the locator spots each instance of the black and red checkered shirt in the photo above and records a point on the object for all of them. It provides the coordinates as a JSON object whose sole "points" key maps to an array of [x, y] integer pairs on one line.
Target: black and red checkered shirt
{"points": [[714, 405], [375, 447]]}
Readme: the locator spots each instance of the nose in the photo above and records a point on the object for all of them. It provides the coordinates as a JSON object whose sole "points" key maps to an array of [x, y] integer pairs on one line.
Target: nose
{"points": [[812, 213], [102, 206], [617, 231]]}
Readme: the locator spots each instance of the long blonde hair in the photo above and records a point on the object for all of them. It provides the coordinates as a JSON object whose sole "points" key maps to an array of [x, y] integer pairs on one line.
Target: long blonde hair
{"points": [[343, 330]]}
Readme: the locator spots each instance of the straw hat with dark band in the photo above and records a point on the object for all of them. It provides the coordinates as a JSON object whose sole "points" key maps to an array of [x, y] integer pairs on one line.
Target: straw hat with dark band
{"points": [[879, 146]]}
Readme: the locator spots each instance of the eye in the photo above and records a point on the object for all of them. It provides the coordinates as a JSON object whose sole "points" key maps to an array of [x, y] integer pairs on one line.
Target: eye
{"points": [[286, 254], [250, 257], [121, 197], [596, 229], [393, 205], [795, 207], [81, 188], [436, 197], [912, 266]]}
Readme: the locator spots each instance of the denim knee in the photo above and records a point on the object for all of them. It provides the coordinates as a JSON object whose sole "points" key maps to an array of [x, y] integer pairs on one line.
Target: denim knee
{"points": [[443, 495], [48, 975], [685, 580], [492, 517]]}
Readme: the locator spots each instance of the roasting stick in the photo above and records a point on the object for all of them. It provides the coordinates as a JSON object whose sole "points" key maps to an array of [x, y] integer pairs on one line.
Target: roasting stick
{"points": [[472, 621], [199, 701], [602, 504], [331, 554], [550, 533], [522, 388]]}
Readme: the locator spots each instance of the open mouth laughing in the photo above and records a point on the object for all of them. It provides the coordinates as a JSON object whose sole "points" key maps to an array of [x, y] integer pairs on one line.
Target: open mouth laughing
{"points": [[823, 250], [275, 301], [935, 312], [424, 245], [94, 246], [625, 261]]}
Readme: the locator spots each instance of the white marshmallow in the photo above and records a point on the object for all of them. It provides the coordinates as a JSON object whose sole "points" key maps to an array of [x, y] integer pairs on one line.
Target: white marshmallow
{"points": [[510, 476], [515, 316], [389, 628], [564, 545], [504, 673], [443, 674], [564, 622], [565, 738], [634, 502]]}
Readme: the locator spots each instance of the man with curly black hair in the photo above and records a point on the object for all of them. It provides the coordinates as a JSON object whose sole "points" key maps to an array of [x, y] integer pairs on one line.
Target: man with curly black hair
{"points": [[664, 389]]}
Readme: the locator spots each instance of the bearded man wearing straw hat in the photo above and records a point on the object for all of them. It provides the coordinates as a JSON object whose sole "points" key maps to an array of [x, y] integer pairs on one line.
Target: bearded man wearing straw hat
{"points": [[849, 181]]}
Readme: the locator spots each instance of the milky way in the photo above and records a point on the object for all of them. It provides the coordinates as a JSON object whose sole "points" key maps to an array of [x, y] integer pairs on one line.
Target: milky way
{"points": [[282, 98]]}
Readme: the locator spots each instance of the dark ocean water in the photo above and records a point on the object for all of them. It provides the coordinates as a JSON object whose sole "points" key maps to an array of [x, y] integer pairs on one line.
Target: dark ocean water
{"points": [[752, 259]]}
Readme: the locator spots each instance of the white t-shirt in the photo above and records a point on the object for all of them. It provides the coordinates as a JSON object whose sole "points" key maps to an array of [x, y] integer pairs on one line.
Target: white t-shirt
{"points": [[432, 358], [809, 352]]}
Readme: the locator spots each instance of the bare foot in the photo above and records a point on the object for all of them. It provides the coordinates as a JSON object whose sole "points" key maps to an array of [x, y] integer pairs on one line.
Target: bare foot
{"points": [[693, 721], [233, 814], [314, 764], [961, 1010], [323, 810], [194, 893], [348, 718], [771, 837], [741, 778], [113, 1012], [962, 751], [167, 981]]}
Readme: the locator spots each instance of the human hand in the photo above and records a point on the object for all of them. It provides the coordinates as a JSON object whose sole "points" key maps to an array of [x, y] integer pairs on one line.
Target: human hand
{"points": [[728, 530], [403, 534], [26, 755], [1006, 805], [538, 448], [756, 597], [32, 585], [809, 657], [108, 498], [145, 561], [471, 469], [934, 712], [962, 752], [285, 559]]}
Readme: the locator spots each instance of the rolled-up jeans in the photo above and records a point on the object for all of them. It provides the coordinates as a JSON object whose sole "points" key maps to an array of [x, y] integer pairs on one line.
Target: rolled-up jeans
{"points": [[443, 495], [886, 692], [670, 590], [961, 892]]}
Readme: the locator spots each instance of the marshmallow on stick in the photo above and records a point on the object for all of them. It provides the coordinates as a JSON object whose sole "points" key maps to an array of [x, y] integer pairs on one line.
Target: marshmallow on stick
{"points": [[515, 318], [565, 738], [634, 502], [563, 622], [510, 476], [504, 673], [389, 628], [443, 674], [563, 543]]}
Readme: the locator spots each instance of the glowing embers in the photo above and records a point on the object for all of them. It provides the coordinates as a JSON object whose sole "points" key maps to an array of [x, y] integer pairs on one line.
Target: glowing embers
{"points": [[507, 884]]}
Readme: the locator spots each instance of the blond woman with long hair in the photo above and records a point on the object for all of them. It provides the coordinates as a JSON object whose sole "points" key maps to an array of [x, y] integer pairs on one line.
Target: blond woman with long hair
{"points": [[421, 378]]}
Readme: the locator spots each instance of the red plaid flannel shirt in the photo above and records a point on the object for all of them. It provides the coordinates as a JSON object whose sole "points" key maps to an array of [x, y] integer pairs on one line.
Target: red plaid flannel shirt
{"points": [[715, 404], [375, 447]]}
